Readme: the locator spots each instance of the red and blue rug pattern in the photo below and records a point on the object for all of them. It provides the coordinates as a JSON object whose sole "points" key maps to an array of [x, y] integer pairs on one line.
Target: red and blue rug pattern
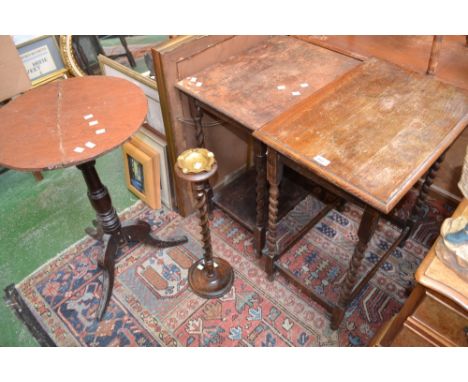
{"points": [[152, 304]]}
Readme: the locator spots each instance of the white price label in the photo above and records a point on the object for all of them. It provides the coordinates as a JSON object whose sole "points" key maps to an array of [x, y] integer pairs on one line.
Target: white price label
{"points": [[321, 160]]}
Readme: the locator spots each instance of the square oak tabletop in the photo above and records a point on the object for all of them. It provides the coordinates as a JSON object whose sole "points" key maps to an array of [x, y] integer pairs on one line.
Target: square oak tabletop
{"points": [[254, 87], [374, 132]]}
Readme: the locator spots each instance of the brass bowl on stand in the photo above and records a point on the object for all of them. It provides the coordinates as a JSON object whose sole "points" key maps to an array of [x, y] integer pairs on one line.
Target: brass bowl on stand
{"points": [[209, 277], [194, 161]]}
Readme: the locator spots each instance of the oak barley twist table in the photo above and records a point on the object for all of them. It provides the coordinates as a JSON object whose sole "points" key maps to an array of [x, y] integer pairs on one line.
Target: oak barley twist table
{"points": [[368, 137]]}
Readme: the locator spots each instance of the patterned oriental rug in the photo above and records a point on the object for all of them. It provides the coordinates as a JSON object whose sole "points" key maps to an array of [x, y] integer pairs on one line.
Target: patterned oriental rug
{"points": [[152, 304]]}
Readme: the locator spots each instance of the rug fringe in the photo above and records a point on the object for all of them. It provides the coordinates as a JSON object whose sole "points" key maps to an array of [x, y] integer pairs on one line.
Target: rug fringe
{"points": [[14, 301]]}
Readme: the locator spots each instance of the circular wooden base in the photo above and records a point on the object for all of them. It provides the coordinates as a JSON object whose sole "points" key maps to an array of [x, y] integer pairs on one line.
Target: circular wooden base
{"points": [[211, 287]]}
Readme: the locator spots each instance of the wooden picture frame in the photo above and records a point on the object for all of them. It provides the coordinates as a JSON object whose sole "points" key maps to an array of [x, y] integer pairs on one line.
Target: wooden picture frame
{"points": [[159, 144], [154, 117], [141, 168], [42, 59]]}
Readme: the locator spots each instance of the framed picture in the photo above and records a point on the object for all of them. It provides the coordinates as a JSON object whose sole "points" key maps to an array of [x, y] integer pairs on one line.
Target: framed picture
{"points": [[158, 143], [42, 60], [22, 39], [141, 173], [154, 118]]}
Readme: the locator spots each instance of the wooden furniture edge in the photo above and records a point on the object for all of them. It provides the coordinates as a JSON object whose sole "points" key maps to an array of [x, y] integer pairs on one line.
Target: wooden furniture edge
{"points": [[178, 202], [174, 43], [388, 331], [181, 190], [427, 281], [212, 109], [324, 44], [383, 206], [379, 337]]}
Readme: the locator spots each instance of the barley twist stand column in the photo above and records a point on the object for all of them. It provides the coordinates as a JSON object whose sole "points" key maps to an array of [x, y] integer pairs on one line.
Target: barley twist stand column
{"points": [[210, 277]]}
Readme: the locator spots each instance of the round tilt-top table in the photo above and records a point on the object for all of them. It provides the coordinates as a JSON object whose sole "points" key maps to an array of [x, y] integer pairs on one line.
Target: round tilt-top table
{"points": [[71, 123]]}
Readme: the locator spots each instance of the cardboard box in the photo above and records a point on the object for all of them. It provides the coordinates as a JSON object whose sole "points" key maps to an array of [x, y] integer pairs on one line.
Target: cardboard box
{"points": [[13, 77]]}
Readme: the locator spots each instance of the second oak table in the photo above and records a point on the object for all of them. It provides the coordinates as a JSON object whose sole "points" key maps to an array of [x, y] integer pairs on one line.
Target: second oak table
{"points": [[367, 137]]}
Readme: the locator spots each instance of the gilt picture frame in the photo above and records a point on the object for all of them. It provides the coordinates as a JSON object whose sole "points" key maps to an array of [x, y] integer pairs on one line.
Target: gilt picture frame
{"points": [[141, 176], [42, 59], [158, 143]]}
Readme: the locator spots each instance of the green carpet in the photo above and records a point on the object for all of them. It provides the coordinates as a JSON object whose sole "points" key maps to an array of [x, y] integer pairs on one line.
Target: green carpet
{"points": [[40, 219]]}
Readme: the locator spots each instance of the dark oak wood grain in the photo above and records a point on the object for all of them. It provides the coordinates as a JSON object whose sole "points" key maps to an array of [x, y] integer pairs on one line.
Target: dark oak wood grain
{"points": [[414, 53], [379, 126], [244, 87], [367, 137], [410, 52], [249, 89]]}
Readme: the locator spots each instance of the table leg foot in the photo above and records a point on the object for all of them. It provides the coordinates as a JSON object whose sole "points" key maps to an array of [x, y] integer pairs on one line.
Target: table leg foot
{"points": [[408, 230], [259, 241], [141, 231], [337, 317], [106, 262], [341, 205], [270, 267]]}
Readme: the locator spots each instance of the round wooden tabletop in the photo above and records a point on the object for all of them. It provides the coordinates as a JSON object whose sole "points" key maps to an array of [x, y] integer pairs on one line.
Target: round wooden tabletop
{"points": [[69, 122]]}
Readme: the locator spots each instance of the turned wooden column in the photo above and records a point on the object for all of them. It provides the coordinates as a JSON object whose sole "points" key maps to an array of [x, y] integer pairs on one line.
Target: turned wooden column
{"points": [[367, 227], [261, 191], [90, 116], [274, 176], [200, 137], [209, 277], [112, 233], [418, 206]]}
